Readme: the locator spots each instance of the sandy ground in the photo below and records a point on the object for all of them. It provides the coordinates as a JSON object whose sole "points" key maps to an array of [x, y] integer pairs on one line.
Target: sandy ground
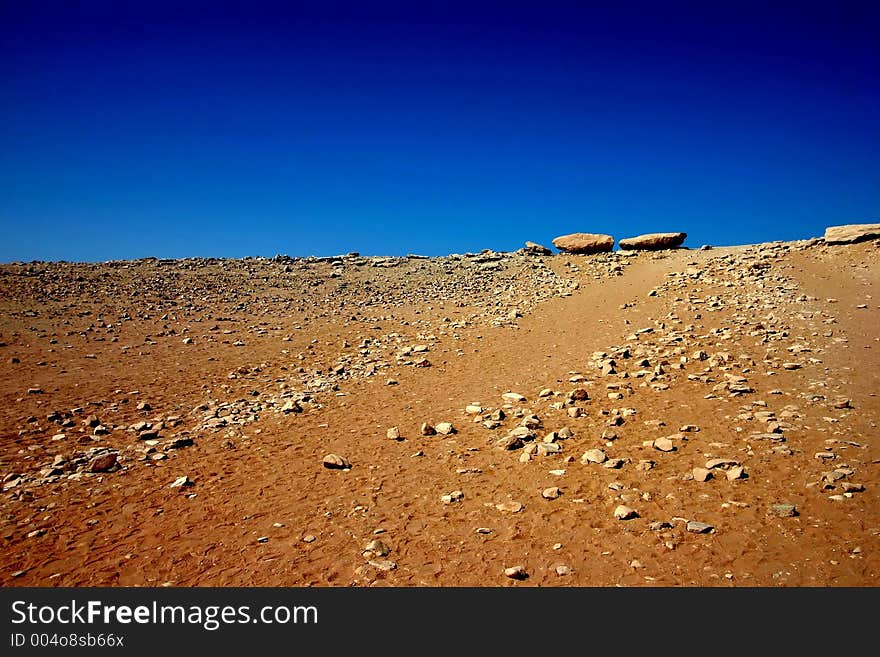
{"points": [[759, 364]]}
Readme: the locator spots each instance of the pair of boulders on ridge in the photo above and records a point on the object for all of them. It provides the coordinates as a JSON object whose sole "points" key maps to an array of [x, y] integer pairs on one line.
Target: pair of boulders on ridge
{"points": [[587, 243]]}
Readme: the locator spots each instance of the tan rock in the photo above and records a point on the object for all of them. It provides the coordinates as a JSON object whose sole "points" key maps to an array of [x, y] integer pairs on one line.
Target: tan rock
{"points": [[664, 445], [653, 241], [533, 248], [702, 474], [593, 456], [735, 473], [334, 461], [546, 449], [849, 233], [551, 493], [584, 243], [720, 463], [623, 512]]}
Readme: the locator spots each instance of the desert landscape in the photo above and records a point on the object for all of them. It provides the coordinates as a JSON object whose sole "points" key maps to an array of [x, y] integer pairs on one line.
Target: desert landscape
{"points": [[659, 415]]}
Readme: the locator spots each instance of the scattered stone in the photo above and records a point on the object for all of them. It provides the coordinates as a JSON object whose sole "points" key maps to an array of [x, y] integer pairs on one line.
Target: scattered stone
{"points": [[516, 572], [664, 445], [510, 507], [736, 472], [701, 474], [623, 512], [551, 493], [784, 510], [393, 434], [383, 564], [562, 571], [179, 443], [579, 394], [720, 463], [593, 456], [181, 482], [102, 463], [309, 538], [453, 497], [509, 443], [445, 428], [427, 430], [334, 461], [546, 449], [376, 548], [513, 397], [696, 527]]}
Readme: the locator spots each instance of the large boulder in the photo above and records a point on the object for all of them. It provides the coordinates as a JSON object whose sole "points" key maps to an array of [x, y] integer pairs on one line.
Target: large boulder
{"points": [[851, 233], [653, 241], [584, 243]]}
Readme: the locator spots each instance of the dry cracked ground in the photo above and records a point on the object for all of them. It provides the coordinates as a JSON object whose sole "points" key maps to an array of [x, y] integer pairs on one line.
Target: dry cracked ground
{"points": [[672, 418]]}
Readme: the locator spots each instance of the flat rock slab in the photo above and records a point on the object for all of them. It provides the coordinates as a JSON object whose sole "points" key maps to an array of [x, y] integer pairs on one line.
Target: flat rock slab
{"points": [[850, 233], [721, 463], [533, 248], [696, 527], [584, 243], [653, 241], [784, 510]]}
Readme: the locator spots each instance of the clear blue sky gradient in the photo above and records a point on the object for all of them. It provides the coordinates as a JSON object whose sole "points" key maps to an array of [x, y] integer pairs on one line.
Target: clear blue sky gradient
{"points": [[232, 129]]}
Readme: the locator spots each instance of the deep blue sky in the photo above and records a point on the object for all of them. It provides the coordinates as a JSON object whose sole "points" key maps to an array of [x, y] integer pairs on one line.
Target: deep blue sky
{"points": [[215, 129]]}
